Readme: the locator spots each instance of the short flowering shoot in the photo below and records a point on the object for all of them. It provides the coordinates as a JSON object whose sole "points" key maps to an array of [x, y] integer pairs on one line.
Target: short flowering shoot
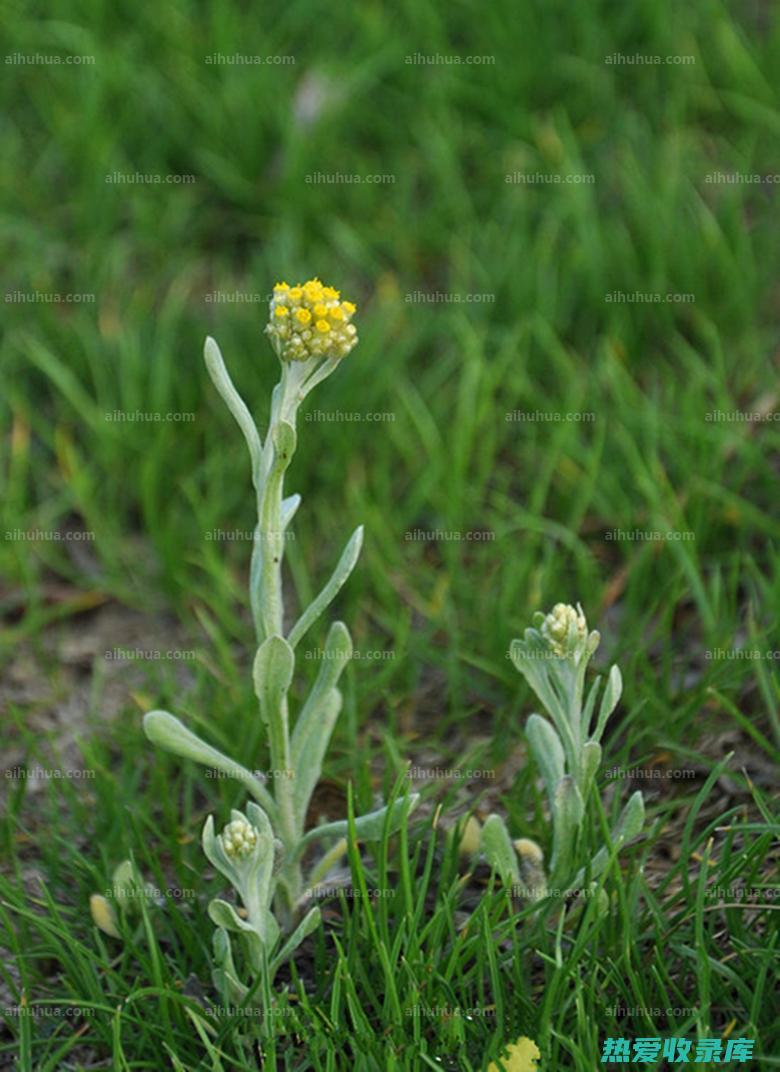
{"points": [[553, 658]]}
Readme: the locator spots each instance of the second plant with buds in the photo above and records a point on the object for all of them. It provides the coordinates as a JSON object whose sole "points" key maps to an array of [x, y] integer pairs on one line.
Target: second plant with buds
{"points": [[553, 659]]}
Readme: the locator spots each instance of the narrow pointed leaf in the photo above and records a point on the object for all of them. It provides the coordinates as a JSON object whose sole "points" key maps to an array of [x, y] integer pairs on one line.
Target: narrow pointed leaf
{"points": [[289, 508], [221, 380], [588, 709], [307, 926], [342, 571], [368, 827], [308, 759], [591, 761], [166, 731], [315, 723], [628, 826], [609, 701]]}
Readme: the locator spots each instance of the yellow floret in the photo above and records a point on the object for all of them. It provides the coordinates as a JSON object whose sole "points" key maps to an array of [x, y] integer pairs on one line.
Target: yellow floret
{"points": [[281, 310], [323, 326], [281, 287], [335, 313], [295, 293], [348, 307], [330, 294], [303, 316], [320, 311]]}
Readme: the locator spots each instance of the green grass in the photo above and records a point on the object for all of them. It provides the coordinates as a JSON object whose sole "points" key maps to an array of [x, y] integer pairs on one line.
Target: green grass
{"points": [[548, 494]]}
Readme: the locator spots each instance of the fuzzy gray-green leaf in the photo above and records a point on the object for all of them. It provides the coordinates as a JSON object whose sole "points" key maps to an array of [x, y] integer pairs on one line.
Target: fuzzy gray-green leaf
{"points": [[547, 751], [368, 827], [499, 850], [609, 701], [338, 578], [166, 731], [568, 810]]}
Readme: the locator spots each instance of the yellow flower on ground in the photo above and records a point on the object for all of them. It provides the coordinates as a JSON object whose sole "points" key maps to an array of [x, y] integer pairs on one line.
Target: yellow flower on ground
{"points": [[521, 1056], [320, 325], [103, 915]]}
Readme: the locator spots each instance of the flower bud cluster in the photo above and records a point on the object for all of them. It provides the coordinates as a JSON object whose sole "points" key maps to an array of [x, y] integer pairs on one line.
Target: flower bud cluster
{"points": [[310, 321], [239, 839]]}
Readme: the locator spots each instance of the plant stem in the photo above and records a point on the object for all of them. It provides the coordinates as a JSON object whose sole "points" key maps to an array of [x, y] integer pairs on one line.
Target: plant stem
{"points": [[268, 609]]}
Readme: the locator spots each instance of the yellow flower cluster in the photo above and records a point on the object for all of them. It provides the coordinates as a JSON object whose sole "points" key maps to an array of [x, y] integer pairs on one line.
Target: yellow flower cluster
{"points": [[310, 321]]}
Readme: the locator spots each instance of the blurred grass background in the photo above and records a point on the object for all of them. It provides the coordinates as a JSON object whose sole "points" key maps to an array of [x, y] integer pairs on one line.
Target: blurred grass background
{"points": [[158, 261], [157, 258]]}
